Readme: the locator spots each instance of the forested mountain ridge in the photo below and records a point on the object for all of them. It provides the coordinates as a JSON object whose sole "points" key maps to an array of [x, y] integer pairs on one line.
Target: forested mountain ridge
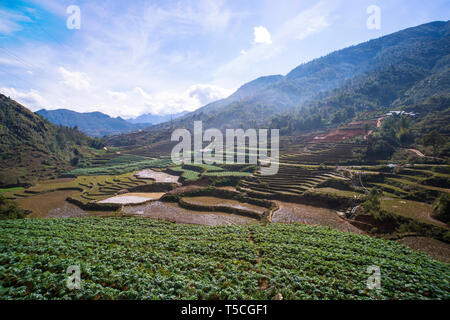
{"points": [[32, 147], [95, 124], [150, 118], [375, 73]]}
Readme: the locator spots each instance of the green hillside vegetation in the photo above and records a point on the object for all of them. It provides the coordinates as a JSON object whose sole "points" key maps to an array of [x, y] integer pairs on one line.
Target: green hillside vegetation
{"points": [[121, 165], [10, 210], [33, 148], [370, 75], [407, 70], [95, 124], [136, 258]]}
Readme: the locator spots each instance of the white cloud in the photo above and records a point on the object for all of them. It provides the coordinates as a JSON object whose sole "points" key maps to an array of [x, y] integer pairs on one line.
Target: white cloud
{"points": [[207, 93], [76, 80], [138, 101], [309, 21], [316, 25], [128, 62], [249, 64], [31, 99], [10, 21], [261, 35]]}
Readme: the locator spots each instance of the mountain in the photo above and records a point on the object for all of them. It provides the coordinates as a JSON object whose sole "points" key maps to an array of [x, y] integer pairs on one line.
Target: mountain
{"points": [[403, 68], [375, 73], [150, 118], [95, 124], [31, 147]]}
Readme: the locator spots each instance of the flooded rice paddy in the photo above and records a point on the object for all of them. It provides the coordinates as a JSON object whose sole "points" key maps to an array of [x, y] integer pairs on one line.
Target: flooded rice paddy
{"points": [[157, 176], [54, 205], [213, 201], [172, 212], [133, 198]]}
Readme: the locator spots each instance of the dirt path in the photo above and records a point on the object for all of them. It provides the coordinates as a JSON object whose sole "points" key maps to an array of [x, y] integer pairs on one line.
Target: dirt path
{"points": [[54, 205], [436, 249], [417, 152], [172, 212], [412, 209], [292, 212], [133, 198], [157, 176]]}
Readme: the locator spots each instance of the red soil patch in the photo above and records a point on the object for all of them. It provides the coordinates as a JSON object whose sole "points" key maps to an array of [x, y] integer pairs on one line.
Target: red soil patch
{"points": [[186, 189], [353, 129]]}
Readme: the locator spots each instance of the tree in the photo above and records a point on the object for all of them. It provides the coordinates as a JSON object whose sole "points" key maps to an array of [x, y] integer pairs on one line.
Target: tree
{"points": [[442, 208], [434, 139], [10, 209]]}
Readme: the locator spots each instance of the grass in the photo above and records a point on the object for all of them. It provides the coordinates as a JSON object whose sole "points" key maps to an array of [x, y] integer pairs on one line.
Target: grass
{"points": [[343, 193], [8, 190], [139, 258], [399, 181], [202, 167], [91, 187], [411, 209], [189, 175], [227, 174], [120, 167]]}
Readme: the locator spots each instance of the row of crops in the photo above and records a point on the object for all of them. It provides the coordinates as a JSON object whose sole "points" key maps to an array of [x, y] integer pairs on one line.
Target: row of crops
{"points": [[323, 153], [192, 172], [138, 258], [290, 180], [121, 165], [425, 183], [91, 187]]}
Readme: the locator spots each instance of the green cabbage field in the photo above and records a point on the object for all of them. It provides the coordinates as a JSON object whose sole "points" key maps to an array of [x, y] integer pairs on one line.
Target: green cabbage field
{"points": [[139, 258]]}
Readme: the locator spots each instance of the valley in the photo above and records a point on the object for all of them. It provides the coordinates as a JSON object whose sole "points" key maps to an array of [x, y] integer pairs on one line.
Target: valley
{"points": [[363, 180]]}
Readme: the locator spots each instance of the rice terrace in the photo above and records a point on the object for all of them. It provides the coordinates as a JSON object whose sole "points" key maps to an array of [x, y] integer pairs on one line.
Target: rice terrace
{"points": [[94, 206]]}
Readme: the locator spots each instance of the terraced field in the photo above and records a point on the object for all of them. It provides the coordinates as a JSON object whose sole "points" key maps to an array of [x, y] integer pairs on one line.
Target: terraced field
{"points": [[139, 258], [322, 153], [224, 205], [114, 165], [290, 180], [193, 172], [418, 182], [91, 188]]}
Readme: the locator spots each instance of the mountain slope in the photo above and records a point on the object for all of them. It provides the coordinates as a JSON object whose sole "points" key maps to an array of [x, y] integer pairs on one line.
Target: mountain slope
{"points": [[31, 147], [400, 60], [150, 118], [95, 124]]}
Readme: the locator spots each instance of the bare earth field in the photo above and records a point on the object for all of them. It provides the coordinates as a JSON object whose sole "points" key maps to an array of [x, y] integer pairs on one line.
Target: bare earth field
{"points": [[133, 198], [434, 248], [293, 212], [54, 205], [213, 201], [411, 209], [157, 176], [172, 212]]}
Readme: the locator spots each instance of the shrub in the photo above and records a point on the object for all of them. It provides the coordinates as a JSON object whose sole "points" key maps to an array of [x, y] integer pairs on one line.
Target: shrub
{"points": [[224, 182], [373, 202], [10, 209], [442, 208]]}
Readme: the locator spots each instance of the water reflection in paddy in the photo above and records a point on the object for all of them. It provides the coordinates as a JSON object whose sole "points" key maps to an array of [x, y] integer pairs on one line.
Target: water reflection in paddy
{"points": [[172, 212]]}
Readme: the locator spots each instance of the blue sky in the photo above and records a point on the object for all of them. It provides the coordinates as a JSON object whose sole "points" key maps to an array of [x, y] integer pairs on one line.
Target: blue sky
{"points": [[134, 57]]}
